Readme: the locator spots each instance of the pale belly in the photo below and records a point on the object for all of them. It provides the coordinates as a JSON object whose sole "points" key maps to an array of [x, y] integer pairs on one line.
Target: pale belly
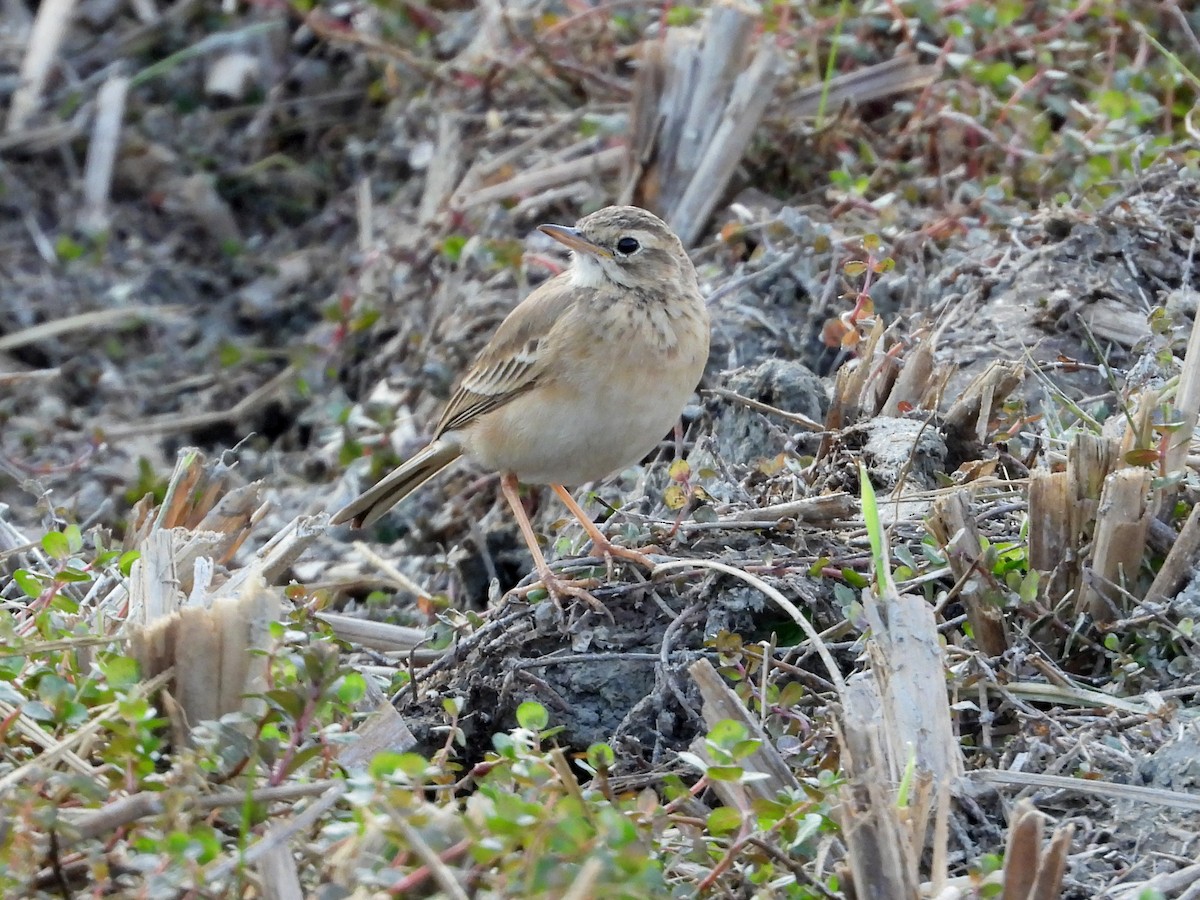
{"points": [[570, 433]]}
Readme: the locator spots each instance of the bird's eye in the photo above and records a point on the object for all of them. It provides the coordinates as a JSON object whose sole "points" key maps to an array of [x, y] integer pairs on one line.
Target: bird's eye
{"points": [[627, 245]]}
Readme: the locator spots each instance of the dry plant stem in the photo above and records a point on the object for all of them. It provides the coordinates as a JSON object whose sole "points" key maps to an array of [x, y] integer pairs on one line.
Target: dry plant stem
{"points": [[954, 528], [1179, 562], [1122, 522], [1049, 538], [1063, 512], [398, 578], [278, 874], [583, 887], [1030, 873], [127, 810], [1187, 407], [911, 385], [720, 703], [741, 116], [440, 871], [907, 661], [894, 76], [604, 547], [1155, 796], [381, 636], [51, 23], [439, 184], [7, 379], [794, 418], [1167, 884], [970, 414], [598, 163], [877, 845], [102, 153]]}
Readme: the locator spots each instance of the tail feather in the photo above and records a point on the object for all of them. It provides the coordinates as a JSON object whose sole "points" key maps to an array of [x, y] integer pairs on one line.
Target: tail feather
{"points": [[371, 504]]}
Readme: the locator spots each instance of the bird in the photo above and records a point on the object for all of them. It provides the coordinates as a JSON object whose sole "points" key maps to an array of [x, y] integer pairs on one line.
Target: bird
{"points": [[583, 378]]}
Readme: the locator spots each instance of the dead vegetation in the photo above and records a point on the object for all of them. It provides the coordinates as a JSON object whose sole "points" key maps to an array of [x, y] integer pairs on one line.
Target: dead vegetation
{"points": [[932, 609]]}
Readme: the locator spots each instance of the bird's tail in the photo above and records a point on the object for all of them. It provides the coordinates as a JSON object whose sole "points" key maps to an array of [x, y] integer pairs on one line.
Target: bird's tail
{"points": [[372, 504]]}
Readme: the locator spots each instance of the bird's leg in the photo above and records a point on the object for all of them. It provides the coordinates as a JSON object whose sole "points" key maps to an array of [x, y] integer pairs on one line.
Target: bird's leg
{"points": [[604, 547], [554, 584]]}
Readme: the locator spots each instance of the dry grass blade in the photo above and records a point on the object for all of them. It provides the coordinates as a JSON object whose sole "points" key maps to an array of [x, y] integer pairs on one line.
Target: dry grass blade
{"points": [[98, 320]]}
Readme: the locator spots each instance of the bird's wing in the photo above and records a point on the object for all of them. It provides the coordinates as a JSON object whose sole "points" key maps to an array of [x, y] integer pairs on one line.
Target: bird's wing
{"points": [[514, 360]]}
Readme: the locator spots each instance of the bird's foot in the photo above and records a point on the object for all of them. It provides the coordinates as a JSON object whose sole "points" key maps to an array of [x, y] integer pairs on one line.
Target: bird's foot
{"points": [[562, 590], [608, 550]]}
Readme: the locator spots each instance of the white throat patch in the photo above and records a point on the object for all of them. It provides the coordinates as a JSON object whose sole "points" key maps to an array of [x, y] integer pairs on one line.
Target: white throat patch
{"points": [[589, 272]]}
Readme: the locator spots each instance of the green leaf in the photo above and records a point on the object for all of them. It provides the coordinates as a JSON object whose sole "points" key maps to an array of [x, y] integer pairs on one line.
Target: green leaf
{"points": [[121, 672], [29, 583], [728, 732], [67, 250], [74, 538], [532, 716], [601, 756], [288, 702], [351, 688], [742, 749], [724, 820], [55, 543], [726, 773], [791, 695], [128, 558], [855, 579], [874, 531], [384, 764], [71, 575], [452, 246]]}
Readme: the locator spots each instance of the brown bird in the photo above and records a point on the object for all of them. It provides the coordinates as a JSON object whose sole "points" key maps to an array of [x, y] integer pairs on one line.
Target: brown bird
{"points": [[582, 379]]}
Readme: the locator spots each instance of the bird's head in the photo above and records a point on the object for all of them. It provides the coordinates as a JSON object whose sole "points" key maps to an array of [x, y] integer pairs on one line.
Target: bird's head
{"points": [[625, 246]]}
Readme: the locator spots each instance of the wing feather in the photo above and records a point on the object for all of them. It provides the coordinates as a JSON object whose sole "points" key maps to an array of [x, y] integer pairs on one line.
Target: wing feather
{"points": [[514, 360]]}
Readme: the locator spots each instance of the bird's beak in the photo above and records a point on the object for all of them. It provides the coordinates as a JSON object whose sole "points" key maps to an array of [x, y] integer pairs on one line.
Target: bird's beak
{"points": [[574, 239]]}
